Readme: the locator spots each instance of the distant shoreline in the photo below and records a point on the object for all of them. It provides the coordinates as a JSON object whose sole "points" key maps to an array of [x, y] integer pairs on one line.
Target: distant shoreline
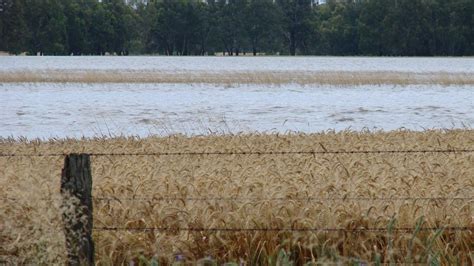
{"points": [[3, 53]]}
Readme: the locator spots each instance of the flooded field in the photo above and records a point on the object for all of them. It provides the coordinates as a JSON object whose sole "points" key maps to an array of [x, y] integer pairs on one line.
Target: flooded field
{"points": [[223, 64], [346, 196], [96, 96], [60, 110]]}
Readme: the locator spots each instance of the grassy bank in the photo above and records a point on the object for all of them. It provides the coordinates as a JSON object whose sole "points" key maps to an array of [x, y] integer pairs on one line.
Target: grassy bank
{"points": [[343, 195]]}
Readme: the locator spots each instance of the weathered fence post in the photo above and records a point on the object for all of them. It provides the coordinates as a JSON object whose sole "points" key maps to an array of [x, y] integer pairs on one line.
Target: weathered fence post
{"points": [[76, 189]]}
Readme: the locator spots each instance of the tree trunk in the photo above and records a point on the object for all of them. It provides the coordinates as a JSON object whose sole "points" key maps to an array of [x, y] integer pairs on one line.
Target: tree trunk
{"points": [[292, 43]]}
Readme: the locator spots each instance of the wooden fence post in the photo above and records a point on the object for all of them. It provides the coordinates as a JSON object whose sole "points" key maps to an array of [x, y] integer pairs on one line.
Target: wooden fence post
{"points": [[76, 189]]}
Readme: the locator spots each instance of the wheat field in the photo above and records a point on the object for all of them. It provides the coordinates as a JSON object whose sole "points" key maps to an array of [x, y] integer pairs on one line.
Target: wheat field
{"points": [[340, 78], [351, 192]]}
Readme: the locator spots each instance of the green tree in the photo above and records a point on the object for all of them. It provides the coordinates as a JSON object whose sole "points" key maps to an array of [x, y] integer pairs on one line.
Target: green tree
{"points": [[407, 28], [338, 28], [192, 27], [263, 25], [297, 21], [101, 30], [13, 28], [119, 17], [371, 28], [231, 25], [165, 24], [77, 15], [47, 24], [461, 25], [205, 27], [3, 6]]}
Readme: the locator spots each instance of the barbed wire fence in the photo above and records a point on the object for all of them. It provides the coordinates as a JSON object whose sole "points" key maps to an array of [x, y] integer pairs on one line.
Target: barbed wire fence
{"points": [[280, 229], [76, 181], [208, 153], [247, 199]]}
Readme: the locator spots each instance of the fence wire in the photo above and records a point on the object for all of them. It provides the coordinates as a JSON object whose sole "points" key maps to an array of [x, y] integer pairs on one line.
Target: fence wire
{"points": [[253, 200], [247, 199], [203, 153], [199, 229]]}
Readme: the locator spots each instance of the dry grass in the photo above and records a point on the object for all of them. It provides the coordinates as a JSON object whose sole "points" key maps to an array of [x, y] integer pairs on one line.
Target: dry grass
{"points": [[30, 216], [227, 77]]}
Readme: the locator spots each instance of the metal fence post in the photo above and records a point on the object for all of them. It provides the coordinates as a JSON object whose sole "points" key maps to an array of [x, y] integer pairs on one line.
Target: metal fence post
{"points": [[76, 189]]}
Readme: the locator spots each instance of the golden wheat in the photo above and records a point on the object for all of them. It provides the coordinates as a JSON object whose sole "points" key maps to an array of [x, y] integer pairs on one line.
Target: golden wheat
{"points": [[30, 221], [242, 77]]}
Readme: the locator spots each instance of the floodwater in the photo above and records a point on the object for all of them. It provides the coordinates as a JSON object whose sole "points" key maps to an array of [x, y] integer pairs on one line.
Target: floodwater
{"points": [[216, 64], [77, 110], [44, 110]]}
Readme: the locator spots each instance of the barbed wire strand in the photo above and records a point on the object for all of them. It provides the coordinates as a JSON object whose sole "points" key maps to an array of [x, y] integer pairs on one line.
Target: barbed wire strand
{"points": [[244, 199], [199, 229], [33, 155], [243, 153], [237, 199]]}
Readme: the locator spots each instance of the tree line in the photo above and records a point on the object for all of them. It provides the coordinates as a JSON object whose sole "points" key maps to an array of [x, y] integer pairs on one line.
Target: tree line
{"points": [[235, 27]]}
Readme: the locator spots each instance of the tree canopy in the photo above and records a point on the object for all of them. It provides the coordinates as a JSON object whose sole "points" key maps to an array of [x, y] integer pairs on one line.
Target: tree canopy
{"points": [[235, 27]]}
